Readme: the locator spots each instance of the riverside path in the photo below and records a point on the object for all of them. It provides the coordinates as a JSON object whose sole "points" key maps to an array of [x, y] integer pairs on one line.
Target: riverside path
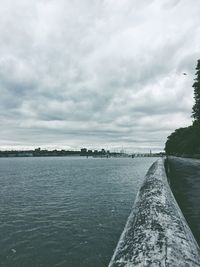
{"points": [[185, 184]]}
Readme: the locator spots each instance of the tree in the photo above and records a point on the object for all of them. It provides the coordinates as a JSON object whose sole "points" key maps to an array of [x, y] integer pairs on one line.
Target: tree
{"points": [[183, 141], [187, 140], [196, 86]]}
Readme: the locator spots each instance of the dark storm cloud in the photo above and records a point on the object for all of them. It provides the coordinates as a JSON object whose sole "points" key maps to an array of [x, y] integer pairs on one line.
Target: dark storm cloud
{"points": [[96, 73]]}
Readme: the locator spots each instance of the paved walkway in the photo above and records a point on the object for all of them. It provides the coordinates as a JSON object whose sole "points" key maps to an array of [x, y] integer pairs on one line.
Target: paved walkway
{"points": [[185, 184]]}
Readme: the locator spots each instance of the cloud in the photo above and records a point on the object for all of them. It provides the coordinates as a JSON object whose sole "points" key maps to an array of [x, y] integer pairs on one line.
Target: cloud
{"points": [[96, 73]]}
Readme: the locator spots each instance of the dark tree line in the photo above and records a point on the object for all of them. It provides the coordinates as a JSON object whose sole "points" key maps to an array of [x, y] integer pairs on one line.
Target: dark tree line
{"points": [[196, 86], [187, 140]]}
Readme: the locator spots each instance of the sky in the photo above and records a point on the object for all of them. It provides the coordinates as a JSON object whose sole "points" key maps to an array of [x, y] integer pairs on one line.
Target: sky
{"points": [[96, 73]]}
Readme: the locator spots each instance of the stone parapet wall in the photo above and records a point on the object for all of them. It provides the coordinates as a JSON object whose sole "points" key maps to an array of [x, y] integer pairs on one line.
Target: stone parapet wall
{"points": [[156, 233]]}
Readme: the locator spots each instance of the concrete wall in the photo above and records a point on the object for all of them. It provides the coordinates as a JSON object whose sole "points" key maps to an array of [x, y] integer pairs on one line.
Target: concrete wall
{"points": [[156, 233]]}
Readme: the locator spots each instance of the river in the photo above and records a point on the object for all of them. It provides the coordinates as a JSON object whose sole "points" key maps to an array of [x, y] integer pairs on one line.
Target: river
{"points": [[65, 211]]}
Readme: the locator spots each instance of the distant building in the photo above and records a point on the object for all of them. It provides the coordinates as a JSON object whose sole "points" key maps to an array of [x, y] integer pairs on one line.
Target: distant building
{"points": [[103, 151], [83, 150]]}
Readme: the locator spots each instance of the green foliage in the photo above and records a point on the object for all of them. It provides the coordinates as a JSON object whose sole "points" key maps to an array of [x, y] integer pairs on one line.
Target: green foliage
{"points": [[187, 140], [196, 86], [184, 141]]}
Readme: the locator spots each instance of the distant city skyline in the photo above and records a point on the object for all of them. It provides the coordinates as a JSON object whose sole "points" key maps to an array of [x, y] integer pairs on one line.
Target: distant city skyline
{"points": [[96, 73], [51, 148], [83, 152]]}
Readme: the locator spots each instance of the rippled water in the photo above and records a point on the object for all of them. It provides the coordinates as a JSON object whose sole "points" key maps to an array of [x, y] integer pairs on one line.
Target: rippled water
{"points": [[65, 211]]}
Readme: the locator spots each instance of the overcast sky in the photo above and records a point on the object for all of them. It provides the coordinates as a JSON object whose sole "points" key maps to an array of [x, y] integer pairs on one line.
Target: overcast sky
{"points": [[96, 73]]}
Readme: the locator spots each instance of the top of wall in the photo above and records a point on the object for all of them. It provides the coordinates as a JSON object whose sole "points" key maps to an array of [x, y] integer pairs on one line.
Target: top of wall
{"points": [[156, 233]]}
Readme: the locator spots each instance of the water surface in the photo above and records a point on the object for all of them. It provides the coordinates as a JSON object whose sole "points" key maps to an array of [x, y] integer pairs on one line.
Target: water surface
{"points": [[62, 211]]}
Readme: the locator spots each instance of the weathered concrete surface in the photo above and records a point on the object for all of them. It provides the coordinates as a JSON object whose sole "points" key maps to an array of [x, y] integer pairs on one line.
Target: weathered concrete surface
{"points": [[156, 233], [185, 184]]}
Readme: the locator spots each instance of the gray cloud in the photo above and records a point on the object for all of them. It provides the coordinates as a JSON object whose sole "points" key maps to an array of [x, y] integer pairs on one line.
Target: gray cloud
{"points": [[96, 73]]}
